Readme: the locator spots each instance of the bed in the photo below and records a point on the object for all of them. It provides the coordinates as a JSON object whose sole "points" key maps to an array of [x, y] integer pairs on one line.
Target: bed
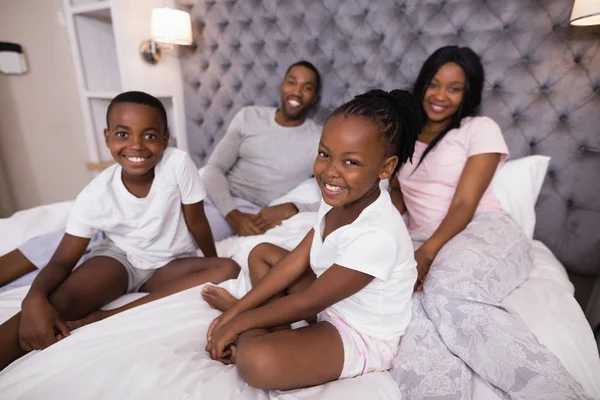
{"points": [[542, 88]]}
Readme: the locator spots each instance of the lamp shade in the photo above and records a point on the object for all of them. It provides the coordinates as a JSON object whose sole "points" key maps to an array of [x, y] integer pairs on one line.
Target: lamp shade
{"points": [[585, 12], [171, 26]]}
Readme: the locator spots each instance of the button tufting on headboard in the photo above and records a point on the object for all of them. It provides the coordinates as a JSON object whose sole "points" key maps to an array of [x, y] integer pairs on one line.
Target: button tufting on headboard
{"points": [[542, 81]]}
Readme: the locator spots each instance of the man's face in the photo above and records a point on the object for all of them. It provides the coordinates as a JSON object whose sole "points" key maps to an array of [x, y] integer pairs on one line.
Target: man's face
{"points": [[298, 92]]}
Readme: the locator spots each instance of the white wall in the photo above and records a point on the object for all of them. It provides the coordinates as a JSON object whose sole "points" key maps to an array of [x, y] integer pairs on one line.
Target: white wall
{"points": [[42, 147]]}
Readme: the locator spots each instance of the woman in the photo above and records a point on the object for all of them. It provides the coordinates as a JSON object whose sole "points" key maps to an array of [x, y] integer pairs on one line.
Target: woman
{"points": [[470, 253]]}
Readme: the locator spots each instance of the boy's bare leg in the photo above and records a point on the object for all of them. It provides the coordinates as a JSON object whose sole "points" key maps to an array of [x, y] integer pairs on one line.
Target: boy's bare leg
{"points": [[210, 269], [96, 283], [290, 359], [14, 265]]}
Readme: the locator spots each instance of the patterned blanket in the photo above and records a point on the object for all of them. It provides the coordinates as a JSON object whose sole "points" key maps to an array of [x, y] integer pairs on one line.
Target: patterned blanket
{"points": [[460, 329]]}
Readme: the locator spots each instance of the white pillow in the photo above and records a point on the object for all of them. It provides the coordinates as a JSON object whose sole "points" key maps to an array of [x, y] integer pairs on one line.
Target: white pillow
{"points": [[517, 185]]}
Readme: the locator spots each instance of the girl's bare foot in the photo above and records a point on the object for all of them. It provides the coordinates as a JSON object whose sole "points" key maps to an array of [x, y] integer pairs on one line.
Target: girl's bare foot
{"points": [[218, 298]]}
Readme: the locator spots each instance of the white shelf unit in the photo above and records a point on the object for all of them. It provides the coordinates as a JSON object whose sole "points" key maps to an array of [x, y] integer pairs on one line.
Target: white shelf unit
{"points": [[104, 37]]}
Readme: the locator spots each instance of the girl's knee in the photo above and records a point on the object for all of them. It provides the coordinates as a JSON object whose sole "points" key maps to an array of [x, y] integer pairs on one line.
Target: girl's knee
{"points": [[230, 268], [258, 252], [256, 365]]}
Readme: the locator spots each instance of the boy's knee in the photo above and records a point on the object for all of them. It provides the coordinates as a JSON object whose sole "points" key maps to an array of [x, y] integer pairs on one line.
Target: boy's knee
{"points": [[256, 366]]}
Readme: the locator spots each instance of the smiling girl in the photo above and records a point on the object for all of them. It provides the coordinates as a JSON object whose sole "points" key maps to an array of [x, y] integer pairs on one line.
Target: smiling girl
{"points": [[353, 273]]}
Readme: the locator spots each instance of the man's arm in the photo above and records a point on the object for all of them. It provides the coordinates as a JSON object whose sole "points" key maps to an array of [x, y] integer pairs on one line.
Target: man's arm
{"points": [[223, 158], [219, 164]]}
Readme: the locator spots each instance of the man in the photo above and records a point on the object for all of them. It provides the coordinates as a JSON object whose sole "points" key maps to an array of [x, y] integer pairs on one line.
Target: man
{"points": [[265, 153]]}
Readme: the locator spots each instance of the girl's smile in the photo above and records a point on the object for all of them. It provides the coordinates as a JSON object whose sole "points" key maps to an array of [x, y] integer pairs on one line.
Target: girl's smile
{"points": [[351, 157]]}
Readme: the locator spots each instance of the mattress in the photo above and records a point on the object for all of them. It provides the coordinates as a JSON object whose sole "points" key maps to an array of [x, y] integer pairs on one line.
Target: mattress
{"points": [[156, 351]]}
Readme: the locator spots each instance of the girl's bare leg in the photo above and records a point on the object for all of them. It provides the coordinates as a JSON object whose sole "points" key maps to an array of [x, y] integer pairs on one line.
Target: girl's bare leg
{"points": [[290, 359], [260, 261]]}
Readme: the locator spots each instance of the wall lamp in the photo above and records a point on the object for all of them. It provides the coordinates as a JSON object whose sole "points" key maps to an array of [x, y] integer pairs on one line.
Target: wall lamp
{"points": [[169, 27], [585, 12]]}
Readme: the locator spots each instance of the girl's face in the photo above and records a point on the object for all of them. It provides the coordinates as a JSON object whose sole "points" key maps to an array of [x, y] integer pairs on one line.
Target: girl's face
{"points": [[136, 137], [351, 160], [445, 92]]}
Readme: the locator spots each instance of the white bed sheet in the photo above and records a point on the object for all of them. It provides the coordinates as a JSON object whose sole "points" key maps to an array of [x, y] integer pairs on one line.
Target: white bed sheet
{"points": [[157, 351]]}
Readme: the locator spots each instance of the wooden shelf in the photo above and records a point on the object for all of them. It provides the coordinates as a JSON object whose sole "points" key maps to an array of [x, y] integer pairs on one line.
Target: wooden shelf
{"points": [[101, 95], [98, 166], [97, 10]]}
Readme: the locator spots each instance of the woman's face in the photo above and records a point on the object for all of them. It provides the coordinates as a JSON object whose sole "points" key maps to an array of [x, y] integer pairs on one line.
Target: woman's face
{"points": [[445, 92]]}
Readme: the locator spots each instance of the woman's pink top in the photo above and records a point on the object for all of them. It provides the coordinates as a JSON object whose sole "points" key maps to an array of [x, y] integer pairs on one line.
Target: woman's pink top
{"points": [[429, 190]]}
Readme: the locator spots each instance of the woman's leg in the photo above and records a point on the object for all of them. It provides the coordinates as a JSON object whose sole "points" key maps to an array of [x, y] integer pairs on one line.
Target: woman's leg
{"points": [[96, 283], [290, 359], [469, 277]]}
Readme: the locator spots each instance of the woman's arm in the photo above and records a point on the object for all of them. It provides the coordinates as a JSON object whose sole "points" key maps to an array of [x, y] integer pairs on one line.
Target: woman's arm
{"points": [[396, 195], [474, 181], [196, 221]]}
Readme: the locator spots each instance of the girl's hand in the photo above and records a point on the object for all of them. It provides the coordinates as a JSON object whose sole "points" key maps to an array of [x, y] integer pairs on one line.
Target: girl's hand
{"points": [[424, 258], [219, 344], [89, 319], [218, 322], [41, 325]]}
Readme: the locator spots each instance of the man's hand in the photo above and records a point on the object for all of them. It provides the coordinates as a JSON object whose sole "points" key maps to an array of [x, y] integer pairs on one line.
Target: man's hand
{"points": [[243, 224], [270, 217]]}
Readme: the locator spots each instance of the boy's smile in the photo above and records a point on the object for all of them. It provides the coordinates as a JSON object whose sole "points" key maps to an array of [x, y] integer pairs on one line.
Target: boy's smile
{"points": [[136, 137]]}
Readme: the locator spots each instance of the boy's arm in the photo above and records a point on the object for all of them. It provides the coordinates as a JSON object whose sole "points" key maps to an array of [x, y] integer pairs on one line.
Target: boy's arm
{"points": [[196, 221], [39, 319], [66, 256]]}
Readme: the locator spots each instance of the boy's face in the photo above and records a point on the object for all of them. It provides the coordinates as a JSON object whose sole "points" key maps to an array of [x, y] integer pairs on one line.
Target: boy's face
{"points": [[136, 137]]}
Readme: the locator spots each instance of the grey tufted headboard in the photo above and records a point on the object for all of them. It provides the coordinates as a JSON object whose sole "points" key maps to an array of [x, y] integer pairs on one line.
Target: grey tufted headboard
{"points": [[542, 80]]}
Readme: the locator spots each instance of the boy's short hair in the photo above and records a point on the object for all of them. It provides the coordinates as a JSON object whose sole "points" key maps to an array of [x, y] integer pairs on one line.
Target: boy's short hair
{"points": [[139, 98]]}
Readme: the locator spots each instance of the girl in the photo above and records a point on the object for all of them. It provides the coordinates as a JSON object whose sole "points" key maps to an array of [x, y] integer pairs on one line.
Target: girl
{"points": [[149, 205], [354, 271], [474, 252]]}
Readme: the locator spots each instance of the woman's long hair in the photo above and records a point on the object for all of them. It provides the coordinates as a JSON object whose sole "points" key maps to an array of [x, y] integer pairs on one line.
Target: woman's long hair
{"points": [[470, 63]]}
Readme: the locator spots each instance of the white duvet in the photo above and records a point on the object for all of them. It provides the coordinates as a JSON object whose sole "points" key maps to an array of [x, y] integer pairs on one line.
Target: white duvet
{"points": [[156, 351]]}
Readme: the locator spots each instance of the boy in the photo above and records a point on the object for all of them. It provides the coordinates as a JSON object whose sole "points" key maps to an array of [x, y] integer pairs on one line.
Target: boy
{"points": [[149, 205]]}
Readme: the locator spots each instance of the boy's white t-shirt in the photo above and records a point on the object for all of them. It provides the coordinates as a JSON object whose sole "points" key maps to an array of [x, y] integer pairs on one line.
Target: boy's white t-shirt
{"points": [[151, 230], [377, 243]]}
